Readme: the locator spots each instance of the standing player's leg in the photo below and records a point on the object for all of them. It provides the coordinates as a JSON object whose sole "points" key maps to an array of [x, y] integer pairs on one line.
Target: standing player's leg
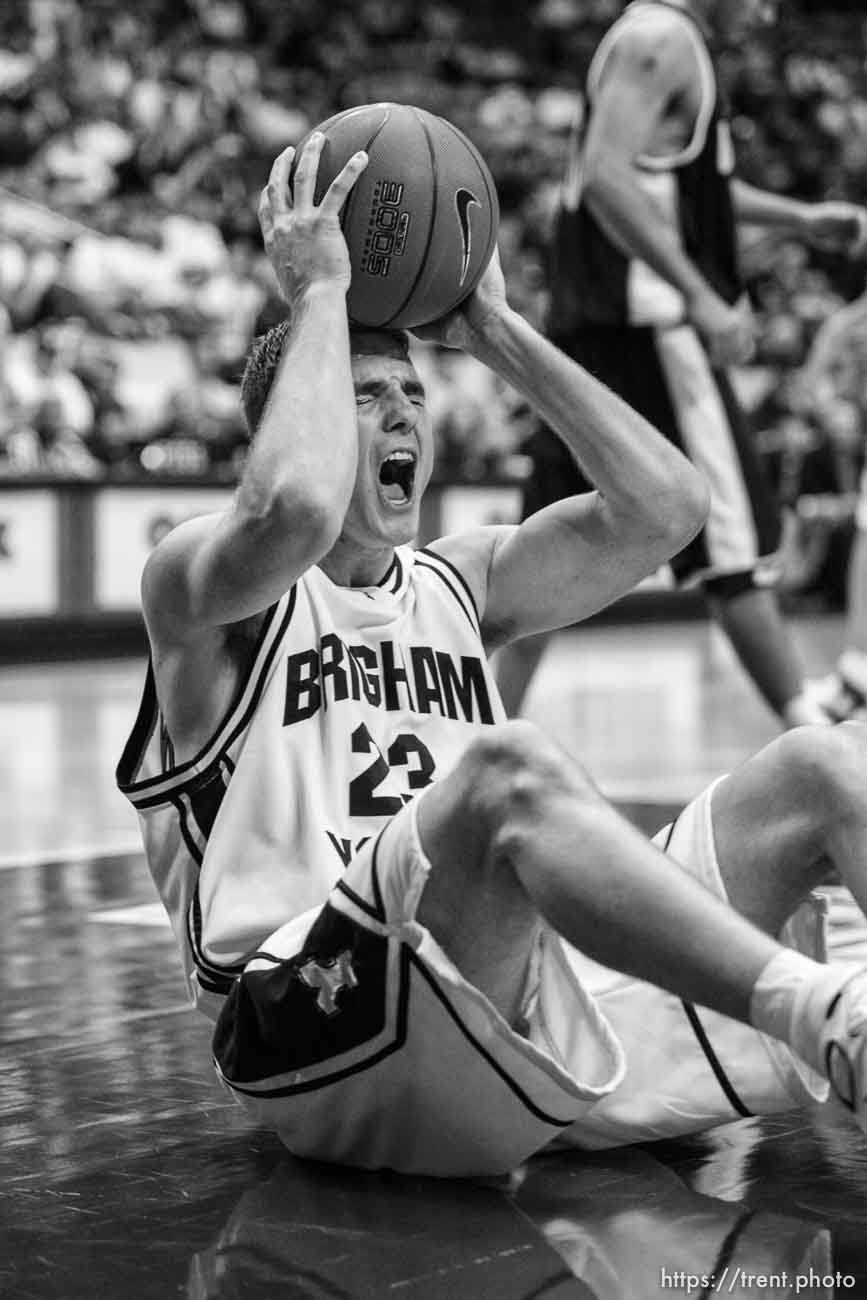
{"points": [[699, 411], [752, 620], [844, 692]]}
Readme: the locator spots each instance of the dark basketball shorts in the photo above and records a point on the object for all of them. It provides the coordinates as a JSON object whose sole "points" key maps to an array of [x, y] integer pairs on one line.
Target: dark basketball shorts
{"points": [[665, 374], [356, 1038]]}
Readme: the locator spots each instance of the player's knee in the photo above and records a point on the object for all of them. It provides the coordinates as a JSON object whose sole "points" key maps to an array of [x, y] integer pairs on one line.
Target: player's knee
{"points": [[825, 767], [516, 773], [847, 766]]}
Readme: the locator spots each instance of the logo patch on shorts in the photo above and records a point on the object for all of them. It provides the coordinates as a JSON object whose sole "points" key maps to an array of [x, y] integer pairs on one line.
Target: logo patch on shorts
{"points": [[328, 979]]}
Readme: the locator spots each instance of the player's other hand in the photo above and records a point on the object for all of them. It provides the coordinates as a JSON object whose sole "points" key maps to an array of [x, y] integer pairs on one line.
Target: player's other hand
{"points": [[728, 331], [303, 240], [466, 325], [838, 226]]}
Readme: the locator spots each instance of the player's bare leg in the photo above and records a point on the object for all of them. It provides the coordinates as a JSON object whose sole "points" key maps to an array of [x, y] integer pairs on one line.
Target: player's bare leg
{"points": [[761, 639], [790, 816], [518, 831]]}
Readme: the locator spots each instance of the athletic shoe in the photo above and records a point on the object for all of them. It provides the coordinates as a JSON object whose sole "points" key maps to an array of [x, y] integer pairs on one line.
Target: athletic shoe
{"points": [[844, 1046]]}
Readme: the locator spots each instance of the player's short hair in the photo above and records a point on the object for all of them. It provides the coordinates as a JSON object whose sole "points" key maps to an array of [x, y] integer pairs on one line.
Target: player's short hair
{"points": [[266, 350]]}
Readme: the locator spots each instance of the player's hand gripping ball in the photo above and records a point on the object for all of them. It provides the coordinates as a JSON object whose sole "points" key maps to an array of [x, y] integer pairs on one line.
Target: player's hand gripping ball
{"points": [[421, 220]]}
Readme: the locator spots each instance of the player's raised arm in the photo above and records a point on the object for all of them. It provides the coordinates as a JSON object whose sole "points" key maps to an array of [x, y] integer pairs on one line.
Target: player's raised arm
{"points": [[290, 505], [581, 553]]}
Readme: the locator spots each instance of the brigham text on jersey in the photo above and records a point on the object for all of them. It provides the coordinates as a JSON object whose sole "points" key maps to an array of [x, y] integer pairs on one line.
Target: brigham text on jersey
{"points": [[388, 676]]}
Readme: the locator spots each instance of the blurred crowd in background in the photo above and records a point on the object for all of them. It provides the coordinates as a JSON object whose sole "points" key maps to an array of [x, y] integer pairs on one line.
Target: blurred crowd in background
{"points": [[134, 144]]}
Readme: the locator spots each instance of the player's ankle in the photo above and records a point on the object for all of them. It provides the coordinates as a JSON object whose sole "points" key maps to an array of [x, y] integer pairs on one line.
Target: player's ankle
{"points": [[790, 1001]]}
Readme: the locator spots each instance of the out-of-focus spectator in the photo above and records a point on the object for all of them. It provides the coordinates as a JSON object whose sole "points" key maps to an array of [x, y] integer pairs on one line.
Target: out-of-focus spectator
{"points": [[54, 414], [26, 276], [40, 378]]}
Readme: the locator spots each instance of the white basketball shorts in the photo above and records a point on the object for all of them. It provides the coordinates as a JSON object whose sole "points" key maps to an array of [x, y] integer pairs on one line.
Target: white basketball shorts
{"points": [[356, 1038]]}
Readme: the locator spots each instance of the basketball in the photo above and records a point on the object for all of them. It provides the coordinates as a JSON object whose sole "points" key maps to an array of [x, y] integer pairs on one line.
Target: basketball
{"points": [[421, 220]]}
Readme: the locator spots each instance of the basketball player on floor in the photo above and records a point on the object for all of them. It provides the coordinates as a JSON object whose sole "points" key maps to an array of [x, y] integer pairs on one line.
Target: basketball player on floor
{"points": [[405, 911], [646, 294]]}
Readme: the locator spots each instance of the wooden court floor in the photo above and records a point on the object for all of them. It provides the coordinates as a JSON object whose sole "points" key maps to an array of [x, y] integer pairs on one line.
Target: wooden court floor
{"points": [[127, 1173]]}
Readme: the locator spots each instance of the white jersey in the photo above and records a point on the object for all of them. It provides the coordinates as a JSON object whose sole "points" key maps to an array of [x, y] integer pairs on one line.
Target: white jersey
{"points": [[356, 699]]}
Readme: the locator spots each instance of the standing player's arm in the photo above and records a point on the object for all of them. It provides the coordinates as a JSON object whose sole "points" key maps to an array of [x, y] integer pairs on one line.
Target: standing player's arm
{"points": [[290, 505], [649, 71], [765, 208], [579, 554], [831, 224]]}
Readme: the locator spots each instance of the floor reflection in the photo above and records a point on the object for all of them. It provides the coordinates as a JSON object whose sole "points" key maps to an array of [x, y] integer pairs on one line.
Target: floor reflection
{"points": [[316, 1231], [631, 1227]]}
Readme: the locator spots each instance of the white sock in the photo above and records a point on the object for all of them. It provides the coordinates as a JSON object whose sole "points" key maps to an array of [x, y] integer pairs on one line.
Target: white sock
{"points": [[790, 1001], [804, 711]]}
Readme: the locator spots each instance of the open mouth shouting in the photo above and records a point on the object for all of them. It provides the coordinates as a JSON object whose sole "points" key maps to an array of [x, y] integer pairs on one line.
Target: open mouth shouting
{"points": [[397, 477]]}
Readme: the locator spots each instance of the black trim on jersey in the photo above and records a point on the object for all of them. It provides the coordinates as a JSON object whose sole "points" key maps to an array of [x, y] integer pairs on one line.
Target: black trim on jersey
{"points": [[205, 970], [142, 730], [129, 762], [206, 799], [473, 617], [432, 554], [221, 985], [704, 1042], [225, 976], [242, 1018], [386, 577]]}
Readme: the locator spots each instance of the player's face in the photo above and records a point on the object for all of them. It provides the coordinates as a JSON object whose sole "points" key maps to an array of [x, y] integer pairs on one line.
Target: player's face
{"points": [[395, 452]]}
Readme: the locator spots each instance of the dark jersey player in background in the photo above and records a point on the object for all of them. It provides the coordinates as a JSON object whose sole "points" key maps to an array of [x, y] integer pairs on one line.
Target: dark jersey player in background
{"points": [[647, 295]]}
